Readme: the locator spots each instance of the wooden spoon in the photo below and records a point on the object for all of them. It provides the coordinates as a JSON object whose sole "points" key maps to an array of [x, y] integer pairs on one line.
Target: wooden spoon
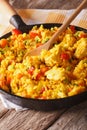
{"points": [[49, 44]]}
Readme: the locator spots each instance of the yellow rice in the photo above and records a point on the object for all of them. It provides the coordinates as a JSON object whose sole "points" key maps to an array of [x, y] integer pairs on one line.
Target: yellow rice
{"points": [[57, 73]]}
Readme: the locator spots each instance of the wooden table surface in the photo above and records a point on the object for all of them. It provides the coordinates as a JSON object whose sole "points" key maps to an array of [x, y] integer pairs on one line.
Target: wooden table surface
{"points": [[73, 118]]}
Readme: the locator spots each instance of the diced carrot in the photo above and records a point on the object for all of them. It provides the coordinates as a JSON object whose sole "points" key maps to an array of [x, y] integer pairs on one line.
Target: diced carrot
{"points": [[21, 45], [70, 89], [39, 75], [72, 28], [44, 69], [3, 43], [65, 56], [8, 80], [19, 75], [42, 90], [33, 34], [83, 35], [31, 70]]}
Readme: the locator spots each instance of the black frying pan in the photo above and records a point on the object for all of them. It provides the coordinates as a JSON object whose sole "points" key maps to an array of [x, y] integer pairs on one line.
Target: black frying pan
{"points": [[38, 104]]}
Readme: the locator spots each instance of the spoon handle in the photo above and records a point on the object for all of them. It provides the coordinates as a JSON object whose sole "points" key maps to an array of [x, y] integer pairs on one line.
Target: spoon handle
{"points": [[13, 16], [7, 8]]}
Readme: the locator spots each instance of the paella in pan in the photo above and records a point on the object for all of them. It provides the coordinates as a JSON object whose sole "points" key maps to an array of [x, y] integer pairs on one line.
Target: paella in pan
{"points": [[57, 73]]}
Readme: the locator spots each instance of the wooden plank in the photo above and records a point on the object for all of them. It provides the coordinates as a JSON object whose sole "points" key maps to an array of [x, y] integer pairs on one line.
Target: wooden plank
{"points": [[3, 110], [73, 119], [13, 120], [28, 120]]}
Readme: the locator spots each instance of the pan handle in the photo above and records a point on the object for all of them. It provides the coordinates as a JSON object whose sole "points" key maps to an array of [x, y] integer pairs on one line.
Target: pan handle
{"points": [[13, 17]]}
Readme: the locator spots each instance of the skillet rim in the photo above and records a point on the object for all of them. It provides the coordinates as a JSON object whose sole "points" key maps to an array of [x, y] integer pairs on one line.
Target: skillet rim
{"points": [[47, 25]]}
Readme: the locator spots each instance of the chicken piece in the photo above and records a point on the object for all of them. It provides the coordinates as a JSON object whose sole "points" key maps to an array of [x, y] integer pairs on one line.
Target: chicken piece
{"points": [[31, 61], [51, 57], [81, 50], [68, 40], [80, 70], [56, 74]]}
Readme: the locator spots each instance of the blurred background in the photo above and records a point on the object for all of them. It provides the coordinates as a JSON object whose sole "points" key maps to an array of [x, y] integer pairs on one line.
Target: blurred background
{"points": [[42, 4]]}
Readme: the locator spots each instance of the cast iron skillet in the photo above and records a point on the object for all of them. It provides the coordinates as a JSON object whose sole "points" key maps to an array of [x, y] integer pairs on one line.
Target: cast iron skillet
{"points": [[38, 104]]}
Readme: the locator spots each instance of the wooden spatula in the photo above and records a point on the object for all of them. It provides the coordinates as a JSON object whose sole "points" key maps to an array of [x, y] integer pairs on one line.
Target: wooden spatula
{"points": [[49, 44]]}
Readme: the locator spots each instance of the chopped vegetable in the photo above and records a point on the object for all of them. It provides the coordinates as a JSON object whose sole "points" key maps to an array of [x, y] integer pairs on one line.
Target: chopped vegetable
{"points": [[16, 32], [65, 56], [3, 43]]}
